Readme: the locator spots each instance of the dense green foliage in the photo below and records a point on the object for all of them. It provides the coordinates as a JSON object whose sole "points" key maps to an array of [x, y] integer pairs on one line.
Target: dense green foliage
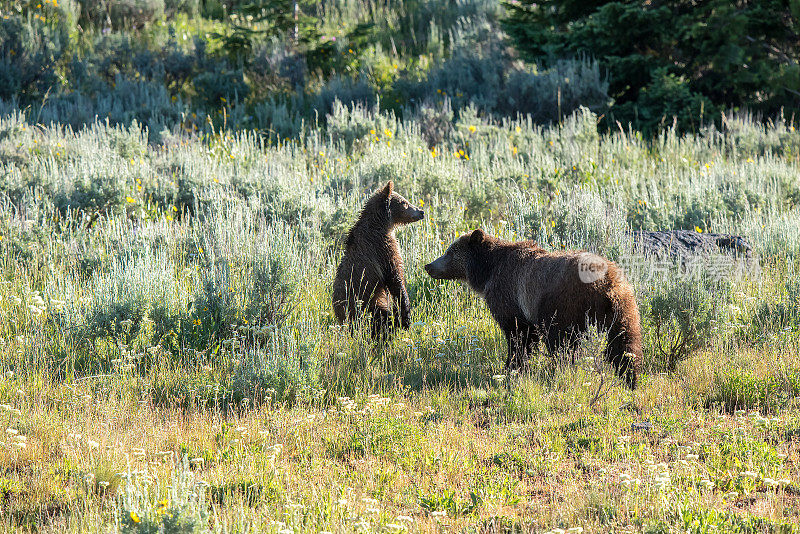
{"points": [[673, 58]]}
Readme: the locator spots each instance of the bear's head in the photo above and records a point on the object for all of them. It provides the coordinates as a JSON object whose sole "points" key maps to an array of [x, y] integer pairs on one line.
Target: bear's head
{"points": [[462, 259], [400, 210]]}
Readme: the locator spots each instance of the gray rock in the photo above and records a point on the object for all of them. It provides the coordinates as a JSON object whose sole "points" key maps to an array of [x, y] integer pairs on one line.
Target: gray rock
{"points": [[687, 243], [642, 426]]}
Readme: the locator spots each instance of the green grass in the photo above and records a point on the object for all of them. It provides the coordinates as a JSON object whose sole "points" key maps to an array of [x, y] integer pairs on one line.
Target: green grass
{"points": [[167, 302]]}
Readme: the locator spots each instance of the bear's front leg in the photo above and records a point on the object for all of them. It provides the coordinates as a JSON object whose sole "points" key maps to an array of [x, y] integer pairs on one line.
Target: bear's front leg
{"points": [[405, 309], [397, 287], [522, 339], [512, 360]]}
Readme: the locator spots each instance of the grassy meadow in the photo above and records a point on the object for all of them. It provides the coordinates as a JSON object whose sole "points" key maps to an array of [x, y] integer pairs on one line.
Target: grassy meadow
{"points": [[169, 359]]}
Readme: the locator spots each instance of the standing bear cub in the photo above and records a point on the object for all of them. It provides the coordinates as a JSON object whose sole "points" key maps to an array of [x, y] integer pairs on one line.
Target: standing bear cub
{"points": [[370, 276], [553, 296]]}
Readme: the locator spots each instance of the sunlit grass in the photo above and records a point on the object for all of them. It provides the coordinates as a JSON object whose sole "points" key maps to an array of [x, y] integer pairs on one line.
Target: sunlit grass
{"points": [[171, 302]]}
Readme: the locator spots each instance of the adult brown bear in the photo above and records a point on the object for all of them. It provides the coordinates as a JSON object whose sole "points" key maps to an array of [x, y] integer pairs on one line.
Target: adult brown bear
{"points": [[370, 276], [553, 296]]}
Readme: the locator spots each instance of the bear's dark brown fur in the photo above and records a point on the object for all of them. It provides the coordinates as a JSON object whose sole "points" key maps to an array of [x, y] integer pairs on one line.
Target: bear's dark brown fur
{"points": [[370, 276], [552, 296]]}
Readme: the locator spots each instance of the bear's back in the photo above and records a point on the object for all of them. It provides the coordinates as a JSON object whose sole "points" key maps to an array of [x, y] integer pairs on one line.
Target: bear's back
{"points": [[539, 282]]}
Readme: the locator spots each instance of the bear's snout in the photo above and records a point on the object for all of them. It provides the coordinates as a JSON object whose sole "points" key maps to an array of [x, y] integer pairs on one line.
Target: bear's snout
{"points": [[436, 268], [409, 215]]}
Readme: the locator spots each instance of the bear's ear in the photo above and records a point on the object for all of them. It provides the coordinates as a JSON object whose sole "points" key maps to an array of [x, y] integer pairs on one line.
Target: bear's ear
{"points": [[386, 195], [477, 237], [388, 189]]}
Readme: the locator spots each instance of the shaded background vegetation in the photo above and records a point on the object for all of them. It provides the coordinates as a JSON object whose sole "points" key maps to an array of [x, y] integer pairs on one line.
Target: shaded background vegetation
{"points": [[196, 65], [673, 59], [265, 65]]}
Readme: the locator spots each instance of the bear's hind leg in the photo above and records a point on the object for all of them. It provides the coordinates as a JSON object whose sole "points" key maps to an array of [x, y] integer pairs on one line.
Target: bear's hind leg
{"points": [[620, 353], [381, 317]]}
